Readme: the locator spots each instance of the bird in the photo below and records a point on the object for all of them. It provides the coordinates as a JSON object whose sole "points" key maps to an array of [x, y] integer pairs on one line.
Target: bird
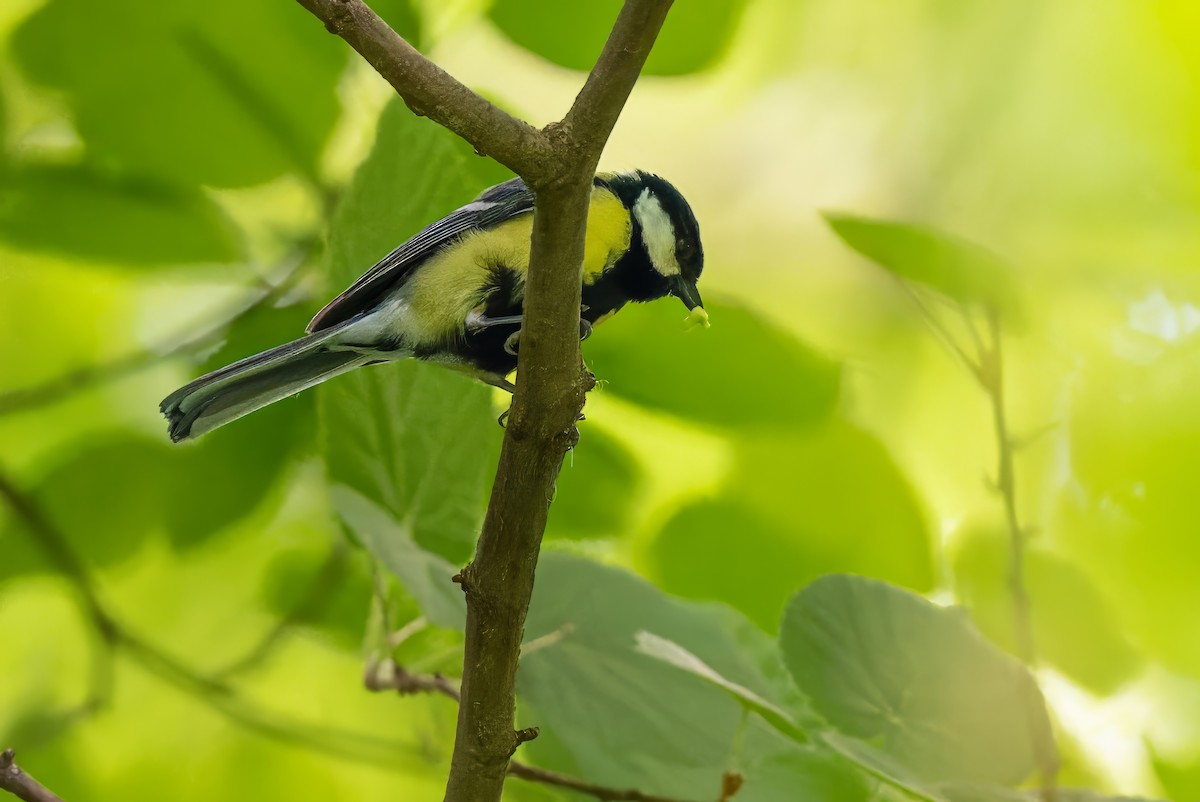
{"points": [[453, 295]]}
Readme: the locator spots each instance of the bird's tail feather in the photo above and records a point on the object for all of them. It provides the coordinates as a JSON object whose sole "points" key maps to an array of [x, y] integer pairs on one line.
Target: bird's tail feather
{"points": [[251, 384]]}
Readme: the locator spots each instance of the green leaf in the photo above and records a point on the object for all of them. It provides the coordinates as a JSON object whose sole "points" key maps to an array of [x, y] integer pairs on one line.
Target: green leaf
{"points": [[596, 489], [222, 93], [804, 773], [808, 503], [77, 212], [584, 682], [1180, 780], [883, 664], [1073, 621], [696, 34], [424, 575], [310, 587], [879, 765], [960, 269], [673, 654], [417, 439], [713, 376], [1127, 514], [104, 496], [956, 792]]}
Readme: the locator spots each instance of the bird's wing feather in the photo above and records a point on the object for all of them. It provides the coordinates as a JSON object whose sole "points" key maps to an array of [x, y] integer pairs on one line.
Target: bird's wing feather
{"points": [[493, 206]]}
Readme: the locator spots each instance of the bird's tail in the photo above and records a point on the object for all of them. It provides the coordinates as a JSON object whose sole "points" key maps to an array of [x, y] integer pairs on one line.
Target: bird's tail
{"points": [[243, 387]]}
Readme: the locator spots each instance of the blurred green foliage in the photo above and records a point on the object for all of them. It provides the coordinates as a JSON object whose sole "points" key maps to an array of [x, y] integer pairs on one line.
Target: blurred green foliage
{"points": [[736, 547]]}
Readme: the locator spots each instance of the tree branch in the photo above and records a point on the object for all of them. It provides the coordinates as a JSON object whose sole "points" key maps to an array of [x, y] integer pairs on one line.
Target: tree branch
{"points": [[431, 92], [14, 780], [558, 165], [594, 113]]}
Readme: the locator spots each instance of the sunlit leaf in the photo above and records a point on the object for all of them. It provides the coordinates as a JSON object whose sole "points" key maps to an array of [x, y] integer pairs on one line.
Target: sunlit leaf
{"points": [[596, 489], [695, 35], [77, 212], [424, 575], [1073, 621], [1180, 779], [709, 375], [596, 693], [961, 270], [1128, 514], [417, 439], [826, 499], [884, 664], [195, 94]]}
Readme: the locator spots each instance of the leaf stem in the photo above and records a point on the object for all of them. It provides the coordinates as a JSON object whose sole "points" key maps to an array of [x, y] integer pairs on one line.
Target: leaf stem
{"points": [[991, 379]]}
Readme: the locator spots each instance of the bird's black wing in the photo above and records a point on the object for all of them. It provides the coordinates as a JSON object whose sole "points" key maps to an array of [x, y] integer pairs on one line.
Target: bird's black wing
{"points": [[492, 207]]}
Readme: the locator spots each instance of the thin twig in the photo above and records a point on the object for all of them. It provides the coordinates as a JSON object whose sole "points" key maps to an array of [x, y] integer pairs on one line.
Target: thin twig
{"points": [[991, 378], [391, 676], [730, 784], [14, 780]]}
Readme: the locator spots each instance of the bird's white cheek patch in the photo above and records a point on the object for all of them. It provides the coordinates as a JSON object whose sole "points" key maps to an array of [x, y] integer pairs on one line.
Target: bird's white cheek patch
{"points": [[657, 232]]}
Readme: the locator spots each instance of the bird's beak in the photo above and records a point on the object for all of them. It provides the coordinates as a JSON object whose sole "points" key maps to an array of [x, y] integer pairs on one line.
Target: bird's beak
{"points": [[686, 291]]}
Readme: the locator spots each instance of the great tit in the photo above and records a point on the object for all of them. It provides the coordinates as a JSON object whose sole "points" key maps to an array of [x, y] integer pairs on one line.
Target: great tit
{"points": [[454, 293]]}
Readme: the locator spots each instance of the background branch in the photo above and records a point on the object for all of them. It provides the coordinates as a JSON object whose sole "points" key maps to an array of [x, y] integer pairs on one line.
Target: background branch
{"points": [[14, 780], [189, 340], [991, 377], [212, 691]]}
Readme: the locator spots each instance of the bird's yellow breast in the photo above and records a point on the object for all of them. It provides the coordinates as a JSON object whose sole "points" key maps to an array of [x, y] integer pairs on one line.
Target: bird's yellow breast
{"points": [[443, 290]]}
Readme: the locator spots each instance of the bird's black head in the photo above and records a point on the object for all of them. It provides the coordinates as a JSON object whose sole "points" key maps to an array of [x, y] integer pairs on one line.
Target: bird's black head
{"points": [[669, 234]]}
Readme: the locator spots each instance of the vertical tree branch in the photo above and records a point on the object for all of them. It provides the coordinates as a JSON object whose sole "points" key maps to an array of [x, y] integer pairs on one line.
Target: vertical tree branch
{"points": [[558, 164]]}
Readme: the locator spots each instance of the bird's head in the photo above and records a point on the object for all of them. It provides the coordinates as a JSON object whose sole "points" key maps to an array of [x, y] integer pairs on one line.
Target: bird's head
{"points": [[671, 237]]}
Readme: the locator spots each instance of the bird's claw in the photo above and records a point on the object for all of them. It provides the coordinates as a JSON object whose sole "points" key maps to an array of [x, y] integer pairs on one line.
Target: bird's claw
{"points": [[512, 343]]}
